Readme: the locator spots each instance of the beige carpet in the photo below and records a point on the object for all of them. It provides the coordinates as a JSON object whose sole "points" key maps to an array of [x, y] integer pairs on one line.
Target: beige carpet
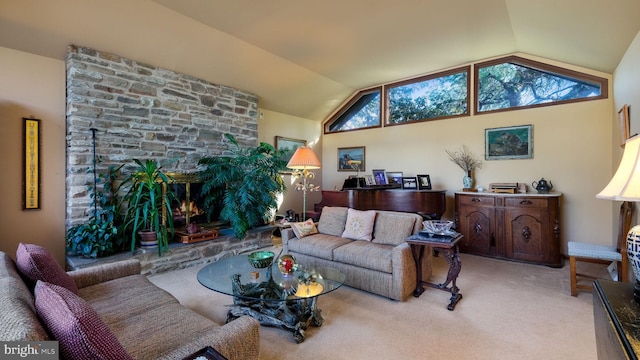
{"points": [[509, 311]]}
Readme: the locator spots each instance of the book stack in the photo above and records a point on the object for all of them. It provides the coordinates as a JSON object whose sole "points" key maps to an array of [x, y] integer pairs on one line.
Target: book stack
{"points": [[508, 188]]}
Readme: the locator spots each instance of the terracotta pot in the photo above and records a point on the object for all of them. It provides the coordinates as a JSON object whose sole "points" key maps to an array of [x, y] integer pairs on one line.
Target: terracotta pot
{"points": [[148, 239]]}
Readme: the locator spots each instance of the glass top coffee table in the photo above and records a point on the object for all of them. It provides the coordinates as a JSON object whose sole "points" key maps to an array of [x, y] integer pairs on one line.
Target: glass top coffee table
{"points": [[288, 302]]}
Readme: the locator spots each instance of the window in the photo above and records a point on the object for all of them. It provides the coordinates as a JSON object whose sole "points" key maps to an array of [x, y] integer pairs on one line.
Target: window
{"points": [[436, 96], [514, 83], [361, 112]]}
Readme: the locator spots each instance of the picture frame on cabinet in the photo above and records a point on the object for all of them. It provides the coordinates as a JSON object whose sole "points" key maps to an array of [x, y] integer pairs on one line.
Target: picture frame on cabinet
{"points": [[424, 182], [409, 183], [380, 176], [394, 177]]}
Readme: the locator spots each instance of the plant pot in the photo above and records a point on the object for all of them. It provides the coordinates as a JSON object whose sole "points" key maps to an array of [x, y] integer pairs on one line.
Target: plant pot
{"points": [[148, 240]]}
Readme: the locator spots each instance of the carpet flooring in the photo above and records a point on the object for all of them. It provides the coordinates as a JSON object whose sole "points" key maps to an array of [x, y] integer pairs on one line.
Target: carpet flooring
{"points": [[509, 310]]}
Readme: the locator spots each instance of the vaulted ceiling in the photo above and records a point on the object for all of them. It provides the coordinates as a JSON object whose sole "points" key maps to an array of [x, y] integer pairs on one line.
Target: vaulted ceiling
{"points": [[304, 58]]}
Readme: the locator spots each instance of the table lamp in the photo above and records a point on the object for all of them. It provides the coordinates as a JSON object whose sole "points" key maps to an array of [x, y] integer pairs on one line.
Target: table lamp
{"points": [[625, 186], [302, 160]]}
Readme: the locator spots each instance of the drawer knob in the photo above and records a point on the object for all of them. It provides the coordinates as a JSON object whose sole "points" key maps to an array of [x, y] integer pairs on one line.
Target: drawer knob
{"points": [[525, 202], [476, 200], [526, 233]]}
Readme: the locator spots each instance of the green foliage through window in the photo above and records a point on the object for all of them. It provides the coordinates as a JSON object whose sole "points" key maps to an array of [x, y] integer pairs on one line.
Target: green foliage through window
{"points": [[427, 98], [515, 83]]}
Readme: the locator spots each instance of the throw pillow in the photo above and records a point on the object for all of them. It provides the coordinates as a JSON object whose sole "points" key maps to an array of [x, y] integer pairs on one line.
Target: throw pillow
{"points": [[36, 263], [302, 229], [79, 330], [359, 224]]}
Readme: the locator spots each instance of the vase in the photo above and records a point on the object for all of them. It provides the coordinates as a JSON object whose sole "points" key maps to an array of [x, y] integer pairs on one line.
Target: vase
{"points": [[467, 181]]}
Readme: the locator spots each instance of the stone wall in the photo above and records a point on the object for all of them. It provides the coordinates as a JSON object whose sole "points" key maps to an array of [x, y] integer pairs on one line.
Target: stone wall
{"points": [[141, 111]]}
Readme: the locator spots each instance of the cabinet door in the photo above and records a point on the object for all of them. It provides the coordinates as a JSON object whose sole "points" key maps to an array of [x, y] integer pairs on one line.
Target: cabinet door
{"points": [[525, 231], [476, 223]]}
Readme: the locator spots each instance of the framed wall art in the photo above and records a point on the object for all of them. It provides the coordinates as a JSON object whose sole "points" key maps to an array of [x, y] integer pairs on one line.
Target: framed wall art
{"points": [[31, 163], [409, 183], [289, 145], [514, 142], [380, 176], [623, 124], [424, 182], [351, 159]]}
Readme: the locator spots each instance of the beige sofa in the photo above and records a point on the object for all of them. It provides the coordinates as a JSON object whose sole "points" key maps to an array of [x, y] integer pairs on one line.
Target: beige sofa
{"points": [[148, 322], [383, 265]]}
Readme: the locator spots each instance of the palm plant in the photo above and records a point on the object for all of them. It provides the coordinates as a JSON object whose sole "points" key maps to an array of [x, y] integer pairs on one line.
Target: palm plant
{"points": [[248, 181], [149, 203]]}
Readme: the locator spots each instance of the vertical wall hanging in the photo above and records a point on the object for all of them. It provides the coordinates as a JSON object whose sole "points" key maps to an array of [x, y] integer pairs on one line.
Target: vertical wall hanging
{"points": [[31, 170]]}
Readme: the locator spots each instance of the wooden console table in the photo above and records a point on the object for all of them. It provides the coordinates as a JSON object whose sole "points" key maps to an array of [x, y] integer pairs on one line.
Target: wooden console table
{"points": [[617, 318], [448, 249]]}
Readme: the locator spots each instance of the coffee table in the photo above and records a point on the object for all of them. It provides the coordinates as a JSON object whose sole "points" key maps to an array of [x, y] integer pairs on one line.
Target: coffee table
{"points": [[287, 302]]}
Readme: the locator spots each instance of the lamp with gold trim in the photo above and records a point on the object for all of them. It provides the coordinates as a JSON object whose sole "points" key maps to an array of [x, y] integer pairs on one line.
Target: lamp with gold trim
{"points": [[625, 186], [303, 160]]}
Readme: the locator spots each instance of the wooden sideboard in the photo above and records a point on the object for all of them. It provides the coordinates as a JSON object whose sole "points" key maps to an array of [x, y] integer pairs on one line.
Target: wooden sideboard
{"points": [[428, 203], [615, 315], [522, 227]]}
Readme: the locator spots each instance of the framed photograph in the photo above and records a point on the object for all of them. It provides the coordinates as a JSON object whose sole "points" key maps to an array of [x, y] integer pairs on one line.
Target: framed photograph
{"points": [[409, 183], [623, 124], [380, 176], [394, 177], [351, 159], [369, 180], [424, 182], [515, 142], [31, 163]]}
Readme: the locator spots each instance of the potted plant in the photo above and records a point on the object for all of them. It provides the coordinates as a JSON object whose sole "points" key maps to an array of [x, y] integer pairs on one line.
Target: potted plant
{"points": [[102, 234], [149, 210], [248, 181]]}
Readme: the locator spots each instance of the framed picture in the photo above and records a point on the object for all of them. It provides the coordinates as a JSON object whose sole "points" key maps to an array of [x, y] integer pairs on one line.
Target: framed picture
{"points": [[394, 177], [409, 183], [289, 145], [424, 182], [369, 180], [515, 142], [380, 177], [351, 159], [31, 163], [623, 124]]}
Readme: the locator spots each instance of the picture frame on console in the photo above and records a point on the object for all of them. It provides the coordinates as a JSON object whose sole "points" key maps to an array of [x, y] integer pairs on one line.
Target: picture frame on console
{"points": [[351, 158], [424, 182], [394, 177], [513, 142], [410, 183], [369, 180], [380, 176]]}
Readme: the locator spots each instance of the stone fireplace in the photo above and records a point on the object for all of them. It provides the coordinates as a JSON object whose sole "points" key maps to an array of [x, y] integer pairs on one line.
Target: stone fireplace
{"points": [[140, 111]]}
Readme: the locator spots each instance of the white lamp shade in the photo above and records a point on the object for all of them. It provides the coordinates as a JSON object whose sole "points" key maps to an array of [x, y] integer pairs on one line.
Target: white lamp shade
{"points": [[625, 184], [304, 158]]}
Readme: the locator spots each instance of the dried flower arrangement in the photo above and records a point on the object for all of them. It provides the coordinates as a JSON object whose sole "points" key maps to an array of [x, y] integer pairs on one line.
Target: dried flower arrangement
{"points": [[465, 159]]}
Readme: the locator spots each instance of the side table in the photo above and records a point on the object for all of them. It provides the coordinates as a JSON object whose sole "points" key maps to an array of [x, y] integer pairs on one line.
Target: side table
{"points": [[448, 247]]}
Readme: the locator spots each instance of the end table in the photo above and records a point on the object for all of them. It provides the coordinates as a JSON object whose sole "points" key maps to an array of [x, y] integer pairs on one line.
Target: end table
{"points": [[448, 247]]}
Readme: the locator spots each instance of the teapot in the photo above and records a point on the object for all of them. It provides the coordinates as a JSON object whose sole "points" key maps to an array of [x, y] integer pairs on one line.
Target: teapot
{"points": [[542, 186]]}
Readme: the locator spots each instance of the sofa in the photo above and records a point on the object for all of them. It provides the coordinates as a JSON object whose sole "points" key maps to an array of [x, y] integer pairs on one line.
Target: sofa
{"points": [[108, 311], [367, 246]]}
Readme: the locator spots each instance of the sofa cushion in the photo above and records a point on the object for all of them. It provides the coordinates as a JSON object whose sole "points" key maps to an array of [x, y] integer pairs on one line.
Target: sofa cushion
{"points": [[366, 255], [302, 229], [393, 228], [17, 306], [318, 245], [359, 225], [75, 325], [332, 220], [36, 263]]}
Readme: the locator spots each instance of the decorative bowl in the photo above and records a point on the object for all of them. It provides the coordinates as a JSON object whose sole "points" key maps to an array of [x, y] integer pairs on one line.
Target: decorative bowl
{"points": [[287, 265], [439, 227], [261, 259]]}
